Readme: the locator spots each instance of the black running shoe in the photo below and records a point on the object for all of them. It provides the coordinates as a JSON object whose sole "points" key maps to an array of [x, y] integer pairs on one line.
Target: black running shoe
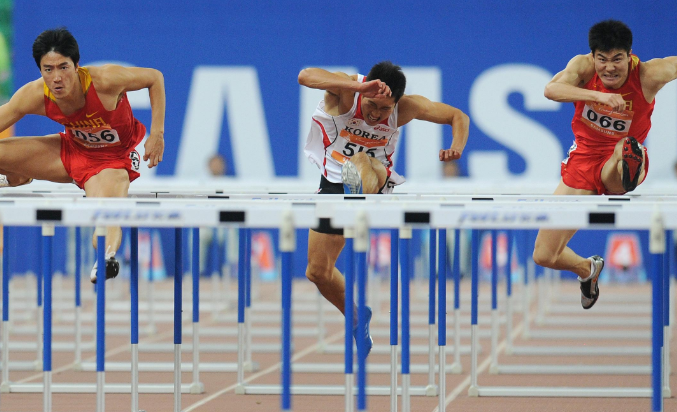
{"points": [[589, 286], [112, 269]]}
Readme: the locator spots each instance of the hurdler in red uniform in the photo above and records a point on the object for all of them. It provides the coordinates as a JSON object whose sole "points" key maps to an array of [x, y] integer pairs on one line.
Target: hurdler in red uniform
{"points": [[95, 138], [613, 93], [598, 128], [96, 150]]}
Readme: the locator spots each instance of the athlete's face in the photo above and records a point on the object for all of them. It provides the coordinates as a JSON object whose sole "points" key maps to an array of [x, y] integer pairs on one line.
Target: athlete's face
{"points": [[612, 67], [59, 73], [376, 110]]}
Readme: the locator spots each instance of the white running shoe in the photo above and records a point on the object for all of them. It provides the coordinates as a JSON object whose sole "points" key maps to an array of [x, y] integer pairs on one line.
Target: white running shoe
{"points": [[589, 286], [352, 182]]}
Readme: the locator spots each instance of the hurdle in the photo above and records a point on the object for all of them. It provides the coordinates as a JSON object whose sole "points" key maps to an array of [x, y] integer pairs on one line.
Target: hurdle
{"points": [[657, 248], [379, 214]]}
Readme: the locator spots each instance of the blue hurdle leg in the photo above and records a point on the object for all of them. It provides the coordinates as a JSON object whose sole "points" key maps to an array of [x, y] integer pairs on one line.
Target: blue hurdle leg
{"points": [[178, 309], [442, 315], [100, 318], [47, 241], [349, 273], [394, 318], [287, 248]]}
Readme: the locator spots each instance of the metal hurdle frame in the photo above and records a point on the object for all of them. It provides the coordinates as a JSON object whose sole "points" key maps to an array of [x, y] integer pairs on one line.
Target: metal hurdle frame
{"points": [[660, 287], [378, 214]]}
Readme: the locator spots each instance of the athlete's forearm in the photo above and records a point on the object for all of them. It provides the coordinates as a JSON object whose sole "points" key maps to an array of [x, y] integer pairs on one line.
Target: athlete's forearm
{"points": [[315, 78], [157, 103], [566, 93], [460, 125]]}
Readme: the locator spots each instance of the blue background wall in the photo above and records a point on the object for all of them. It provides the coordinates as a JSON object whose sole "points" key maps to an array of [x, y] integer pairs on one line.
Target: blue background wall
{"points": [[278, 39], [462, 39]]}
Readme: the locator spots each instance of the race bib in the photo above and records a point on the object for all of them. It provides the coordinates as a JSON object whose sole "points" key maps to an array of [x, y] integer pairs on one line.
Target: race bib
{"points": [[96, 137], [602, 119]]}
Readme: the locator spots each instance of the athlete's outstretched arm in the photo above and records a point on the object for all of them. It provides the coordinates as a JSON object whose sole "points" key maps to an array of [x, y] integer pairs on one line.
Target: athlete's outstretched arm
{"points": [[117, 79], [335, 83], [567, 85], [418, 107]]}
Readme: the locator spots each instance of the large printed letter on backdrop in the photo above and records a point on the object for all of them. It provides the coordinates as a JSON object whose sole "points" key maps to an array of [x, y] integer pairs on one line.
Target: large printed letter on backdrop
{"points": [[491, 112], [236, 90]]}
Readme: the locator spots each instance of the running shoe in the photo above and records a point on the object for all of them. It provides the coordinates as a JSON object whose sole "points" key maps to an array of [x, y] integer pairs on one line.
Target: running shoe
{"points": [[112, 269], [632, 163], [5, 183], [352, 182], [365, 336], [589, 286]]}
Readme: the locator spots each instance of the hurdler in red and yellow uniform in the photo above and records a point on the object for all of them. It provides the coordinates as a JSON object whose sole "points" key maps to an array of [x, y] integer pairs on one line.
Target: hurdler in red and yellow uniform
{"points": [[95, 138], [597, 129]]}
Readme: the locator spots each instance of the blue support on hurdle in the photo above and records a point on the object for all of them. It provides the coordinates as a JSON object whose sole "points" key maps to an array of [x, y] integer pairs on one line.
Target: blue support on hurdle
{"points": [[361, 246], [406, 271], [134, 283], [248, 302], [287, 269], [5, 306], [456, 273], [40, 320], [100, 318], [473, 390], [349, 272], [78, 298], [657, 250], [432, 266], [178, 309], [134, 296], [494, 271], [508, 264], [242, 240], [526, 298], [196, 386], [508, 286], [442, 315], [666, 314], [287, 248], [394, 318], [494, 301], [457, 269], [47, 241]]}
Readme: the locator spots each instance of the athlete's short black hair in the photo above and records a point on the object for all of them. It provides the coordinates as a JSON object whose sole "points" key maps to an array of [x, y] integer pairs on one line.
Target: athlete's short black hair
{"points": [[390, 74], [57, 40], [610, 35]]}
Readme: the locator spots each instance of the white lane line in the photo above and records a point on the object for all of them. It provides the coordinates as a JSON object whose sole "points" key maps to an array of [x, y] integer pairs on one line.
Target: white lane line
{"points": [[482, 367], [273, 368], [114, 351]]}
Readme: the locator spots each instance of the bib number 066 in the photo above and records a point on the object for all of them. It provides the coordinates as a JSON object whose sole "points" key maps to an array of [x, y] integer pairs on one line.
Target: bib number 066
{"points": [[605, 121]]}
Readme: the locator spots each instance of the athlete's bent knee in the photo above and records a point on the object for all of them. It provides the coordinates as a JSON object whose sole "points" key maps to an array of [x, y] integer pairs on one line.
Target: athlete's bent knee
{"points": [[543, 257], [317, 273]]}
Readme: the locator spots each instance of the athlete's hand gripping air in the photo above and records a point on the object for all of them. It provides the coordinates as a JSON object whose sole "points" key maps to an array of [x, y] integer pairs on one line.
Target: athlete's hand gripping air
{"points": [[375, 89], [615, 101]]}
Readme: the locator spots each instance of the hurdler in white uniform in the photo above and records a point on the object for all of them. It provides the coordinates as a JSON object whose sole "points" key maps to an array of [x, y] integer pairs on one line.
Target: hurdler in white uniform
{"points": [[334, 139]]}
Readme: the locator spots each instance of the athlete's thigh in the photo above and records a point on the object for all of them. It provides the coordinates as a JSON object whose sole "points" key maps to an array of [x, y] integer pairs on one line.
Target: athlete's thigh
{"points": [[380, 171], [38, 157], [108, 183], [324, 249]]}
